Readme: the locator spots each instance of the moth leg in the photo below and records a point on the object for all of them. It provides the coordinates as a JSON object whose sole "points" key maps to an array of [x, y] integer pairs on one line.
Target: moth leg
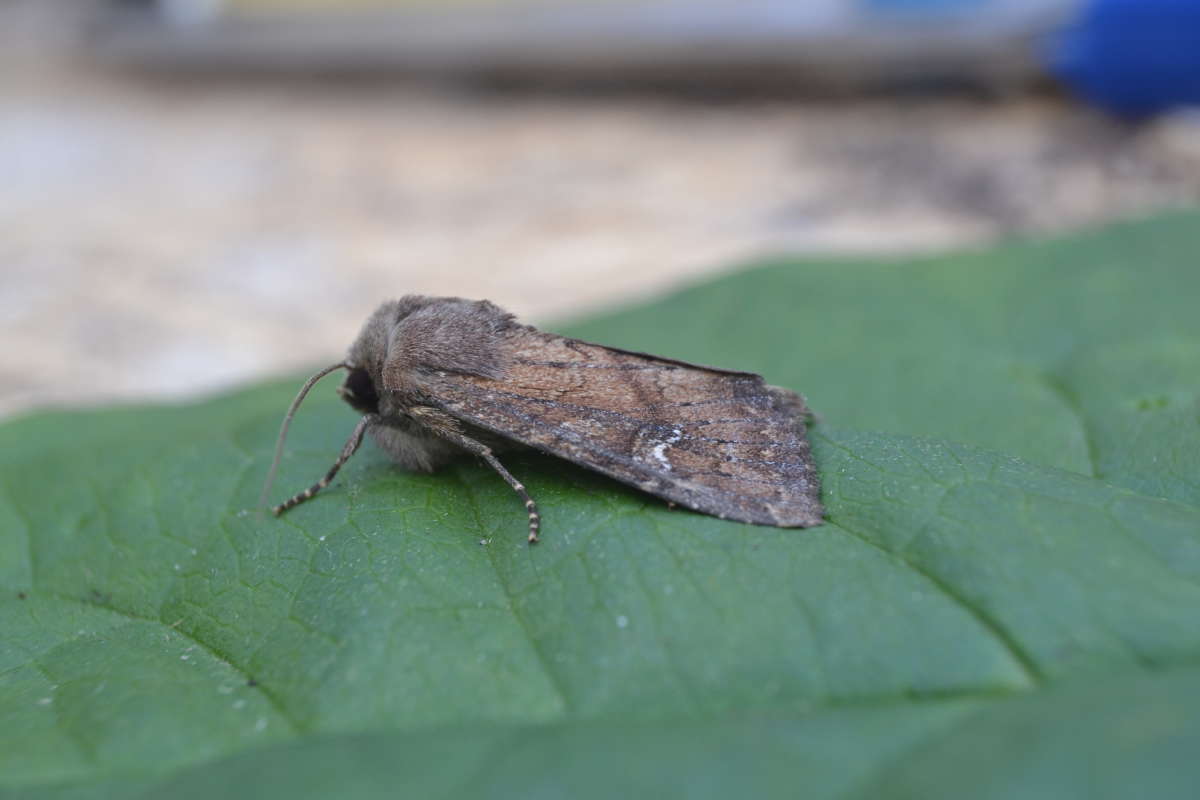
{"points": [[449, 429], [348, 450]]}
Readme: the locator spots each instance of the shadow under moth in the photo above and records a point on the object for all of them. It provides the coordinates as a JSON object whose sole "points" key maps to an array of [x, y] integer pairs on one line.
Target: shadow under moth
{"points": [[439, 377]]}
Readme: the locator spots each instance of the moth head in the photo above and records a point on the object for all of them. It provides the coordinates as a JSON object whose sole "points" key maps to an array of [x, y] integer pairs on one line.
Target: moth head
{"points": [[368, 353], [359, 391], [363, 365]]}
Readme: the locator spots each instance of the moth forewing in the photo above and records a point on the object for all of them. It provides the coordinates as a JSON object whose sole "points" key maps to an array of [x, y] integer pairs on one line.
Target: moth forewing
{"points": [[440, 377], [716, 441]]}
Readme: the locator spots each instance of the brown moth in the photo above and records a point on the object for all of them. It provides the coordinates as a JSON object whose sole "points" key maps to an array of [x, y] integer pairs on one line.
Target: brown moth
{"points": [[439, 377]]}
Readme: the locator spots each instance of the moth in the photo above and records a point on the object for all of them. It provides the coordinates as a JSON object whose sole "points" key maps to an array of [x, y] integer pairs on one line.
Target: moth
{"points": [[436, 378]]}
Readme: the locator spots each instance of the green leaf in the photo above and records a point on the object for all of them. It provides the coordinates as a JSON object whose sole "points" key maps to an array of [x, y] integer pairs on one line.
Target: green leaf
{"points": [[1094, 740], [966, 623]]}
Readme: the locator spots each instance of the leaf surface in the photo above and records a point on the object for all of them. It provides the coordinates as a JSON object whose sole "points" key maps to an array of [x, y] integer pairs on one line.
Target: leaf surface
{"points": [[1011, 566]]}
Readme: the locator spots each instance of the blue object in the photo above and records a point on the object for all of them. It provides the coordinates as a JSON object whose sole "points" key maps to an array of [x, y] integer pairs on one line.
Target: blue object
{"points": [[1132, 57]]}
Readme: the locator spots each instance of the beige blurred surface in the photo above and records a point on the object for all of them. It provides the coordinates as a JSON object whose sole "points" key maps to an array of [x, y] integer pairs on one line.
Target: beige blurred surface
{"points": [[166, 238]]}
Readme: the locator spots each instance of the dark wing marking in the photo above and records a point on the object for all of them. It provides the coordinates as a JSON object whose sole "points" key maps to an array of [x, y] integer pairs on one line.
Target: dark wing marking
{"points": [[717, 441]]}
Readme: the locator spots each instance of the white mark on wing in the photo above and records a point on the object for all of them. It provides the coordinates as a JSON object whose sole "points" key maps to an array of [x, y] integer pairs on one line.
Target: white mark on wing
{"points": [[660, 449]]}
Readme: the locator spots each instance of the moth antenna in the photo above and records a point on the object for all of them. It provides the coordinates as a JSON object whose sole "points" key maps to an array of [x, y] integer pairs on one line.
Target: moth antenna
{"points": [[283, 429]]}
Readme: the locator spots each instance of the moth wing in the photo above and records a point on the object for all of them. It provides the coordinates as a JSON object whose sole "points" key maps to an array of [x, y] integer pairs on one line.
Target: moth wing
{"points": [[713, 440]]}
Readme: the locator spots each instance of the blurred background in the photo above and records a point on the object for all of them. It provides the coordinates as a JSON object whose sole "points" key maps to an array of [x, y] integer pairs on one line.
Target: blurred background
{"points": [[197, 193]]}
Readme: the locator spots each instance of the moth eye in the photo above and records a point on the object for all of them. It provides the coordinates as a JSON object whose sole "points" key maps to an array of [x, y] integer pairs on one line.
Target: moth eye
{"points": [[359, 391]]}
